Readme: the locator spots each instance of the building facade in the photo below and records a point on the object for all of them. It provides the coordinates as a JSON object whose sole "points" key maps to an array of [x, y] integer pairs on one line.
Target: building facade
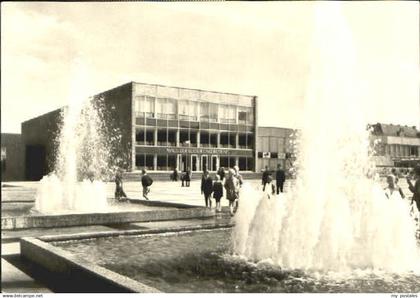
{"points": [[396, 145], [187, 128], [162, 128], [275, 147]]}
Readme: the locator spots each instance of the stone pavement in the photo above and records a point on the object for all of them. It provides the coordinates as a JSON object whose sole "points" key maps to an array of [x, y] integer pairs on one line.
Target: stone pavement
{"points": [[20, 196]]}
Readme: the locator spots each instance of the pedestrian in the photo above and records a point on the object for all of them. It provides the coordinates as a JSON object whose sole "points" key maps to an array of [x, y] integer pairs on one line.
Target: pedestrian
{"points": [[221, 173], [217, 192], [207, 187], [119, 192], [280, 178], [146, 182], [393, 190], [270, 189], [174, 176], [415, 189], [232, 189], [238, 176], [264, 177], [187, 177], [241, 182]]}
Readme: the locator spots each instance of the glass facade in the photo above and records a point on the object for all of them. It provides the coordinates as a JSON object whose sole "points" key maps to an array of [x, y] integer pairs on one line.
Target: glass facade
{"points": [[193, 120]]}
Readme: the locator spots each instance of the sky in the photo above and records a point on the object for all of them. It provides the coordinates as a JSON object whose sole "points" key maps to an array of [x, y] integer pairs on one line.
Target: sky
{"points": [[267, 49]]}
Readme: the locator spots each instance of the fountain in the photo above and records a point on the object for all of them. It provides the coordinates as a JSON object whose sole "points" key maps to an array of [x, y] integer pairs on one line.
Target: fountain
{"points": [[83, 157], [337, 217], [334, 231]]}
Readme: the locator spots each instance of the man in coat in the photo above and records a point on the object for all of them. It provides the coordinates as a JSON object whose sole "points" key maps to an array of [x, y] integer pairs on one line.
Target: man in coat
{"points": [[280, 178]]}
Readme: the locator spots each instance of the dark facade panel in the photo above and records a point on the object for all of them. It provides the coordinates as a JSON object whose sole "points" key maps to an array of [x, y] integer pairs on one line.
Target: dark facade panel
{"points": [[13, 158], [39, 144]]}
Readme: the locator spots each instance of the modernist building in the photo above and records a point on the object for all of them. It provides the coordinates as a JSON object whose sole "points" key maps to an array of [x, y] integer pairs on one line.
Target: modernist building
{"points": [[274, 147], [163, 128], [398, 145]]}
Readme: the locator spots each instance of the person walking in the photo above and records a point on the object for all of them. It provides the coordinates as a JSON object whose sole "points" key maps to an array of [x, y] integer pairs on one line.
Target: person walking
{"points": [[221, 173], [393, 190], [119, 192], [415, 189], [232, 189], [207, 187], [217, 192], [265, 175], [241, 182], [146, 182], [187, 177], [270, 189], [174, 176], [280, 178]]}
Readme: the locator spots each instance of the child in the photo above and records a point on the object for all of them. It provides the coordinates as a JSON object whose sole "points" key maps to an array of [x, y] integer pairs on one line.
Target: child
{"points": [[207, 188], [217, 192], [146, 181], [270, 189], [393, 190], [119, 192]]}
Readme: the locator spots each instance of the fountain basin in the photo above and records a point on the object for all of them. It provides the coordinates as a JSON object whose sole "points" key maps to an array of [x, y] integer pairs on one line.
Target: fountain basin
{"points": [[159, 213], [193, 259]]}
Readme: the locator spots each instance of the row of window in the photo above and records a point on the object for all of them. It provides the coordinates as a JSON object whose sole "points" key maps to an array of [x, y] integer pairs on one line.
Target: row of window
{"points": [[401, 150], [167, 108], [196, 163], [190, 138]]}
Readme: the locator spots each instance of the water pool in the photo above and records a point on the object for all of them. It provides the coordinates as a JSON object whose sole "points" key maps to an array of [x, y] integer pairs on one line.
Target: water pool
{"points": [[201, 262]]}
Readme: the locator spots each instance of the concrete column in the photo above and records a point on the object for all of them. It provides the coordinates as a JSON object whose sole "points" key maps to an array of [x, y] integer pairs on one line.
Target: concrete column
{"points": [[155, 133], [237, 161], [154, 162], [218, 139], [198, 139], [237, 140], [177, 138]]}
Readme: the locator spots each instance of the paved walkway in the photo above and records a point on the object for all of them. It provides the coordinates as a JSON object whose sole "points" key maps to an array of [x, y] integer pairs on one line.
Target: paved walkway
{"points": [[20, 196]]}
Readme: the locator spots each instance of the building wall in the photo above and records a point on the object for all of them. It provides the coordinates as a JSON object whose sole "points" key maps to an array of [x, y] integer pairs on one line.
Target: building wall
{"points": [[274, 147], [118, 116], [39, 146], [12, 157]]}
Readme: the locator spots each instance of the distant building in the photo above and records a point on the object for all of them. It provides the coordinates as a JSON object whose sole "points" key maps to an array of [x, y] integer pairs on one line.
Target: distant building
{"points": [[398, 145], [274, 147], [12, 157]]}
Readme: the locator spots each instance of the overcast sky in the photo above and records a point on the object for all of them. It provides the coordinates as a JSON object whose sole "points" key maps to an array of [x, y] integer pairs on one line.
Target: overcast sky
{"points": [[260, 48]]}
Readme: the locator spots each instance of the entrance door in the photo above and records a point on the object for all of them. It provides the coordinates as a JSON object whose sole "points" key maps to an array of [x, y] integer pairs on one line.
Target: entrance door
{"points": [[204, 162], [194, 163], [183, 164], [214, 163]]}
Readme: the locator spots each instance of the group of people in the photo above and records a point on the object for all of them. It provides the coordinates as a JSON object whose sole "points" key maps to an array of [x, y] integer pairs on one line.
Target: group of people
{"points": [[231, 182], [393, 189], [267, 180]]}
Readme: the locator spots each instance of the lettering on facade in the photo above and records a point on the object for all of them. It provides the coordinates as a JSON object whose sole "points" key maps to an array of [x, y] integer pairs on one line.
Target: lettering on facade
{"points": [[196, 151]]}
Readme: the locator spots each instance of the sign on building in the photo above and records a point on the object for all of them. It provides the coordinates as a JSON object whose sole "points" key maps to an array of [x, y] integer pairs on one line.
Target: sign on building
{"points": [[281, 155], [266, 154]]}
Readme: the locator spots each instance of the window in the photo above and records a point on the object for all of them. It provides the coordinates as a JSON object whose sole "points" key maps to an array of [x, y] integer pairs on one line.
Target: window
{"points": [[227, 114], [139, 105], [149, 107], [183, 109], [170, 108], [242, 117], [160, 108], [213, 108], [193, 110], [204, 111]]}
